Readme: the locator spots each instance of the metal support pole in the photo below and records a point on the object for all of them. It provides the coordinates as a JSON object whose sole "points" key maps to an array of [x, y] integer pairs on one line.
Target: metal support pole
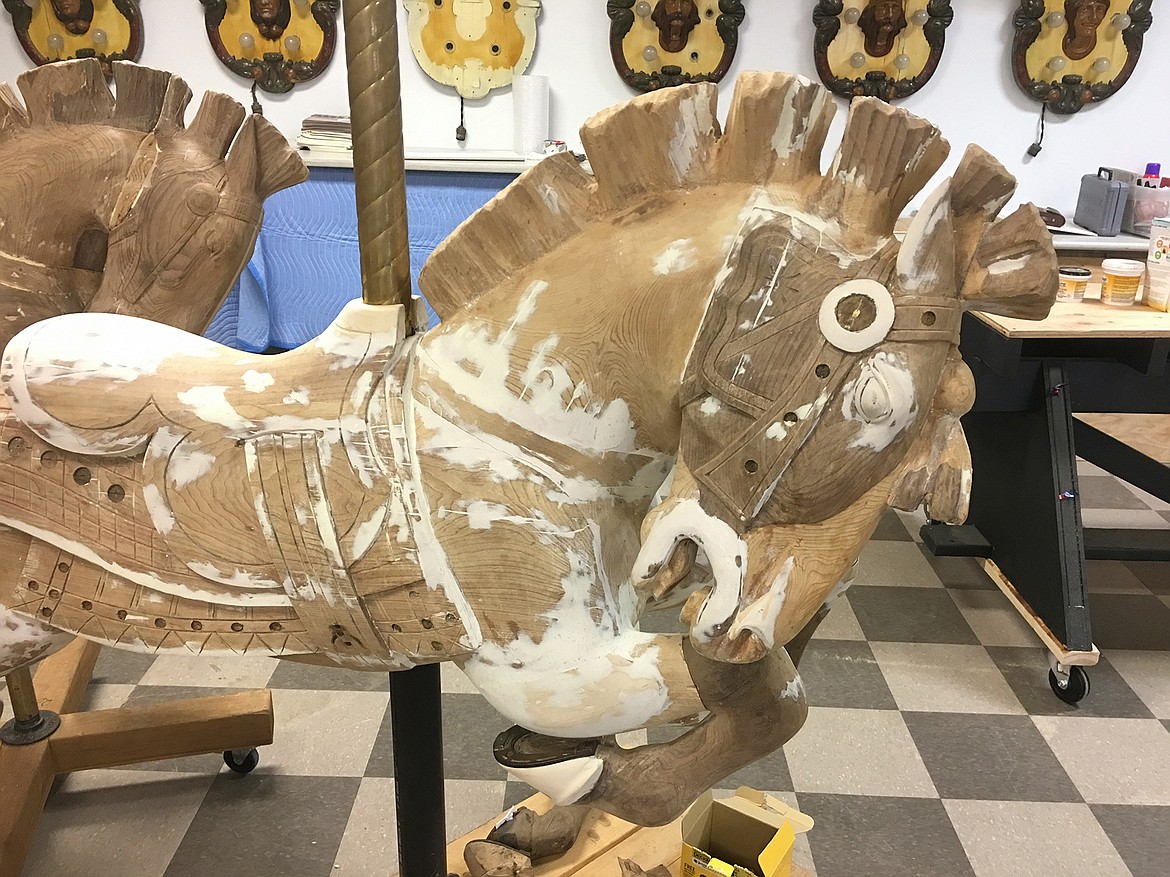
{"points": [[29, 723], [416, 721]]}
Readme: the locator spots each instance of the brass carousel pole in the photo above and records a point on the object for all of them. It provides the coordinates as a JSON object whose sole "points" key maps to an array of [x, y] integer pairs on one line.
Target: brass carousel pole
{"points": [[416, 716]]}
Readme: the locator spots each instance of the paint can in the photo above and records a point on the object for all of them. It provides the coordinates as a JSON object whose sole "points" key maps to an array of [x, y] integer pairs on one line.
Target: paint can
{"points": [[1073, 283], [1123, 278]]}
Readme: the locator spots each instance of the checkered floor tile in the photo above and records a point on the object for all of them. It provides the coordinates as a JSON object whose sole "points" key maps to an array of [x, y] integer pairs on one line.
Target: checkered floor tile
{"points": [[933, 744]]}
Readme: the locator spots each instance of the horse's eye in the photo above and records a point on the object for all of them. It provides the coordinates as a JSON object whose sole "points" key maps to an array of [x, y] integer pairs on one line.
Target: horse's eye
{"points": [[873, 399]]}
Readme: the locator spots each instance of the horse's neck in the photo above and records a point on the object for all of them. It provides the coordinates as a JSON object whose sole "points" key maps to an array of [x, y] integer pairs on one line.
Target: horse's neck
{"points": [[587, 346], [60, 181]]}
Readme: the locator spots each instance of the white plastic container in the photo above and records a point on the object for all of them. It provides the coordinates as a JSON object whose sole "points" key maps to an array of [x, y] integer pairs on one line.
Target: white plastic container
{"points": [[1123, 279]]}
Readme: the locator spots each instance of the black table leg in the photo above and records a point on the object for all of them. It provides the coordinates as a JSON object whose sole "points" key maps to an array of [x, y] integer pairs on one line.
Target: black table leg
{"points": [[1025, 504], [416, 720]]}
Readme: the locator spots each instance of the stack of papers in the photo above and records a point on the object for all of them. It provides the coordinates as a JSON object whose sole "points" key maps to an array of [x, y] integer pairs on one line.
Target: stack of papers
{"points": [[326, 134]]}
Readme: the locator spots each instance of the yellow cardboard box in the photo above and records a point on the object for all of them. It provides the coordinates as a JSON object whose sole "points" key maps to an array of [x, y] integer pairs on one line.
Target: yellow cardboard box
{"points": [[748, 835]]}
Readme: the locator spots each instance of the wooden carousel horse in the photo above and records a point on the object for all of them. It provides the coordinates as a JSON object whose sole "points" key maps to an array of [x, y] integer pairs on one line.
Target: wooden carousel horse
{"points": [[708, 320]]}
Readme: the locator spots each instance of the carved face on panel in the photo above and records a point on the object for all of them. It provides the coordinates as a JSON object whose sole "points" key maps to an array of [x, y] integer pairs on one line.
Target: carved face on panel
{"points": [[271, 17], [881, 22], [76, 15], [1083, 17], [675, 20]]}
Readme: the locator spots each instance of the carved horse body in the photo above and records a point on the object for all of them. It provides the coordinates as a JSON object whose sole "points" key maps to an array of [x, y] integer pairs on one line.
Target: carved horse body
{"points": [[708, 319]]}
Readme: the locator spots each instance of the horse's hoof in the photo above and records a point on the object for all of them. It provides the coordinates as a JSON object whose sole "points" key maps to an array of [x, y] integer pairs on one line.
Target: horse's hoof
{"points": [[563, 768]]}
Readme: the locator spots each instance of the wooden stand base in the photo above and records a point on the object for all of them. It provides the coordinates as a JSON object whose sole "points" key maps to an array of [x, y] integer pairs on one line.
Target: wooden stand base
{"points": [[108, 738], [603, 840]]}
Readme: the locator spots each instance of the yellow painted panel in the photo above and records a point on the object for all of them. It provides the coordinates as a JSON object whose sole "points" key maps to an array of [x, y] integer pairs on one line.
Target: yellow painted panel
{"points": [[471, 29], [704, 40], [1049, 44], [238, 20], [850, 40], [105, 17]]}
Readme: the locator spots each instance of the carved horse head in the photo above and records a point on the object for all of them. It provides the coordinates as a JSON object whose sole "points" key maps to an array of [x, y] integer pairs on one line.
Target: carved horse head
{"points": [[116, 206]]}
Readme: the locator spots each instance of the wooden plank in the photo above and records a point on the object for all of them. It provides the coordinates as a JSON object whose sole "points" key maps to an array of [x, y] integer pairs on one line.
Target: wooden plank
{"points": [[1147, 433], [1063, 654], [109, 738], [26, 775], [1087, 319], [61, 679]]}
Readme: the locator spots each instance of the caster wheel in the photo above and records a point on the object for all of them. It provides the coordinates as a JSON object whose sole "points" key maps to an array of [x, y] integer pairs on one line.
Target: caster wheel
{"points": [[1075, 689], [241, 760]]}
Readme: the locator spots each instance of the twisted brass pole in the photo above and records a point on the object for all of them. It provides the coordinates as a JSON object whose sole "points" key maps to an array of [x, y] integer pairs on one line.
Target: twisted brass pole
{"points": [[375, 99]]}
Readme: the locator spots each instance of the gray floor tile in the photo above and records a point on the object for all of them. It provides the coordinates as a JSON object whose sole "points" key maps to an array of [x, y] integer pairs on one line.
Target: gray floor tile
{"points": [[98, 822], [894, 563], [959, 572], [119, 667], [1140, 834], [369, 847], [470, 726], [856, 752], [662, 621], [840, 623], [1148, 674], [1029, 839], [993, 618], [1026, 671], [267, 824], [1155, 575], [293, 674], [1129, 621], [324, 733], [940, 677], [994, 758], [909, 615], [1106, 492], [844, 674], [770, 772], [882, 837], [1112, 761], [1112, 577], [1165, 516], [891, 529]]}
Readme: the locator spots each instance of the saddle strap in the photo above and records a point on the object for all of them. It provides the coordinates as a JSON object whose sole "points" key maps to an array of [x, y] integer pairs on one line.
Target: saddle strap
{"points": [[287, 482]]}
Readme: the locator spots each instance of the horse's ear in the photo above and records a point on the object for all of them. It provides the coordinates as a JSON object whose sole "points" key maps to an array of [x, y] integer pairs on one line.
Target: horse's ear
{"points": [[215, 124], [12, 115], [280, 165], [1014, 269], [142, 92], [926, 260], [981, 188], [887, 155], [70, 92]]}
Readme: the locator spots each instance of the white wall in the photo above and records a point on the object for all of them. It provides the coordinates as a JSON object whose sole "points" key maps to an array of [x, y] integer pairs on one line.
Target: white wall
{"points": [[971, 98]]}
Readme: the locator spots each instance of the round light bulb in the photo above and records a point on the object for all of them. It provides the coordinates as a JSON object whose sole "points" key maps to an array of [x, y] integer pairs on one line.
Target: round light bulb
{"points": [[56, 42], [292, 44], [650, 53], [1057, 63], [1121, 21], [1055, 19], [857, 60], [99, 36], [642, 9], [920, 17], [1102, 65], [902, 62], [247, 41], [852, 15]]}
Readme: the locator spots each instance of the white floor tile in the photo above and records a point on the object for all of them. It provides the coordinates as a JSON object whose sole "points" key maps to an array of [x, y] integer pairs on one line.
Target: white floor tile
{"points": [[1112, 761], [932, 677]]}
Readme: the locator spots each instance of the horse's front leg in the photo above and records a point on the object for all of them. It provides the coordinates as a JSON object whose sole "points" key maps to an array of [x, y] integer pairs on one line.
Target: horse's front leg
{"points": [[754, 710]]}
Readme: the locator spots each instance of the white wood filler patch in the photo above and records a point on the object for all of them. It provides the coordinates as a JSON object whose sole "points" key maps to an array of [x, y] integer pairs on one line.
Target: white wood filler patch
{"points": [[761, 614], [885, 387], [257, 382], [678, 256]]}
